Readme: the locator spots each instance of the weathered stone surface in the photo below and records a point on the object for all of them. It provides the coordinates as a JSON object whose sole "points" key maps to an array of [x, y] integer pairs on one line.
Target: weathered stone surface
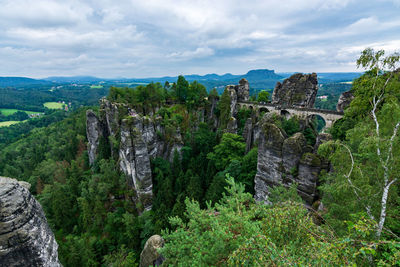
{"points": [[344, 101], [243, 90], [135, 160], [211, 117], [269, 163], [136, 139], [284, 161], [309, 168], [292, 150], [321, 138], [25, 237], [248, 134], [297, 90], [93, 133], [232, 126], [233, 95], [149, 255]]}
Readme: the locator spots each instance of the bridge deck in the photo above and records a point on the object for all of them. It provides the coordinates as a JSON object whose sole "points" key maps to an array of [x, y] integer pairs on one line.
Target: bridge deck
{"points": [[316, 110]]}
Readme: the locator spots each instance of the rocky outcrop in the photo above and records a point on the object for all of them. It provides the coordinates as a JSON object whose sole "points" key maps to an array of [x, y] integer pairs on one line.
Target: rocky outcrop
{"points": [[232, 126], [243, 90], [25, 237], [297, 90], [134, 140], [134, 161], [237, 93], [285, 160], [344, 101], [93, 133], [150, 255], [248, 134], [233, 96]]}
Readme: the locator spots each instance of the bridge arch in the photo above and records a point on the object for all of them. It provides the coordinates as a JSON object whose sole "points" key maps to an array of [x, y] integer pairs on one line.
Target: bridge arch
{"points": [[318, 122], [263, 109], [286, 114]]}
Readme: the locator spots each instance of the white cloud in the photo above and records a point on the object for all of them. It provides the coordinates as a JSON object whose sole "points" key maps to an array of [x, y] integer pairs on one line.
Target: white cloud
{"points": [[187, 55], [154, 37]]}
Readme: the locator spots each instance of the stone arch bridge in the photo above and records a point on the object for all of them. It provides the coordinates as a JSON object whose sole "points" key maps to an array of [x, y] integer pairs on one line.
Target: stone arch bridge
{"points": [[329, 116]]}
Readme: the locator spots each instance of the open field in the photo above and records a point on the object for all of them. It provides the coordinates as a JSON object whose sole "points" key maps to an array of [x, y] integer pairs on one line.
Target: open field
{"points": [[8, 123], [96, 86], [54, 105], [10, 111]]}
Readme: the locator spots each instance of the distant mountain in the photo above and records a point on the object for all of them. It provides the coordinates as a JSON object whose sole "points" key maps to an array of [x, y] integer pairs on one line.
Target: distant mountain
{"points": [[74, 79], [259, 79], [335, 77], [20, 81]]}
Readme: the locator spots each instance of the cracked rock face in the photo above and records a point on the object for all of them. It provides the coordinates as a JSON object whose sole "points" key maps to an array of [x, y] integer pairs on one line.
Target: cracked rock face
{"points": [[286, 160], [134, 140], [297, 90], [344, 101], [135, 161], [25, 237], [93, 133]]}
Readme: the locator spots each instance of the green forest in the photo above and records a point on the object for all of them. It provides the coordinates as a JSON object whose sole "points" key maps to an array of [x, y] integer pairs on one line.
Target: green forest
{"points": [[203, 204]]}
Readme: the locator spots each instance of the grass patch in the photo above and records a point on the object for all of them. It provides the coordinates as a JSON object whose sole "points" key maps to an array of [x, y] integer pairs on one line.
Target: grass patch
{"points": [[8, 123], [96, 86], [10, 111], [54, 105]]}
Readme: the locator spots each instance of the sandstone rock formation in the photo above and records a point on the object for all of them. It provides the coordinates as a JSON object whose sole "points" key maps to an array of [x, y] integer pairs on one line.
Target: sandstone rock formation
{"points": [[232, 126], [248, 134], [344, 101], [25, 237], [134, 140], [297, 90], [93, 133], [285, 160], [232, 89], [242, 90], [134, 161], [149, 255]]}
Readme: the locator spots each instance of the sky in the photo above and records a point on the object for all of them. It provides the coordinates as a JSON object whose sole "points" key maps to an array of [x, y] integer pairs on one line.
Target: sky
{"points": [[153, 38]]}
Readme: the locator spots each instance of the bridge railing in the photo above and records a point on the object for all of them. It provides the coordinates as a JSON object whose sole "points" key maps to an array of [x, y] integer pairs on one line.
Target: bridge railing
{"points": [[316, 110]]}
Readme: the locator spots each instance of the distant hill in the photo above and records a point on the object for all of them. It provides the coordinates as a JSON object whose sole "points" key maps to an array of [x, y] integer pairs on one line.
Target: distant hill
{"points": [[74, 79], [260, 79], [20, 81]]}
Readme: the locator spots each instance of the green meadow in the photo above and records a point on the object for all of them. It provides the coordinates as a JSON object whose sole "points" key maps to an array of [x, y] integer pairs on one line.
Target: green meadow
{"points": [[10, 111], [54, 105]]}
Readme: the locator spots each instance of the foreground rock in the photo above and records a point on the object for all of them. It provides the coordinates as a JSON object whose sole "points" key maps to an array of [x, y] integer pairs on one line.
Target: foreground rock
{"points": [[286, 160], [297, 90], [149, 255], [25, 237]]}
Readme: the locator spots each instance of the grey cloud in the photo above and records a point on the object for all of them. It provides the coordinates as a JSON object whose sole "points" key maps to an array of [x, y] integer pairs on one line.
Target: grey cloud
{"points": [[136, 38]]}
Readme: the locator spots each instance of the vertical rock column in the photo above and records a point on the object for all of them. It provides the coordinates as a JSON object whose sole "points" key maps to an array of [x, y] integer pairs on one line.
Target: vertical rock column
{"points": [[25, 237]]}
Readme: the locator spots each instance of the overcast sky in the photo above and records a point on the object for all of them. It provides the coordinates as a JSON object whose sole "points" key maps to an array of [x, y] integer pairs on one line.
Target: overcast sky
{"points": [[149, 38]]}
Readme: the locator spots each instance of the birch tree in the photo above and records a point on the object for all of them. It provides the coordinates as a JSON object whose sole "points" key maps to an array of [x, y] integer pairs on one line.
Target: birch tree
{"points": [[367, 165]]}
